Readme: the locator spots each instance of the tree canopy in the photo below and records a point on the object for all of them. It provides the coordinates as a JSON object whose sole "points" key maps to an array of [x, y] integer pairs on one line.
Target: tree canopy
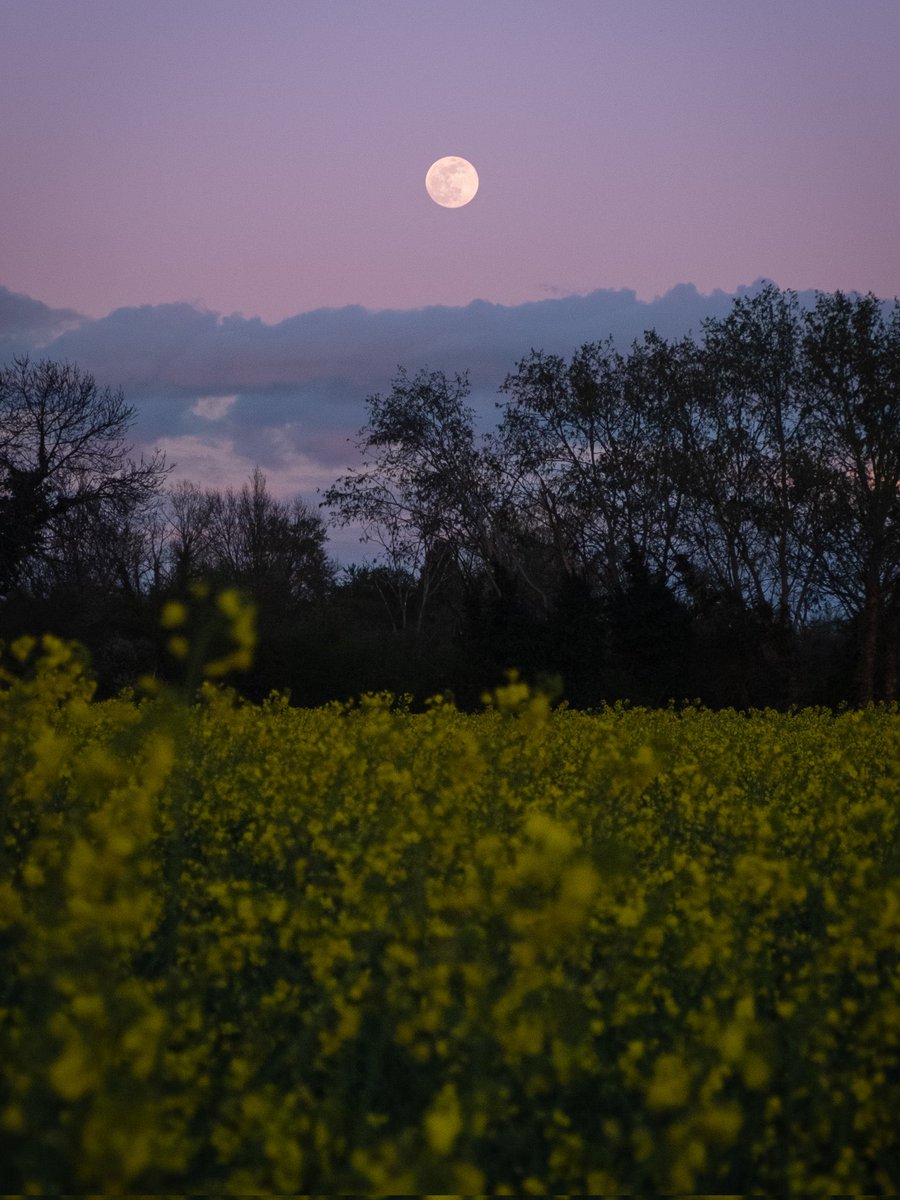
{"points": [[63, 453], [716, 516]]}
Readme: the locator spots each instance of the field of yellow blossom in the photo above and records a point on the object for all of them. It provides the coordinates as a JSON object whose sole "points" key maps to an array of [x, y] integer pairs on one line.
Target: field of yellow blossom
{"points": [[253, 949]]}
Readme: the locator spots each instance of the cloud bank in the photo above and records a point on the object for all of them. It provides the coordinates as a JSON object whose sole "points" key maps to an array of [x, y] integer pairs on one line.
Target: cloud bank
{"points": [[222, 393]]}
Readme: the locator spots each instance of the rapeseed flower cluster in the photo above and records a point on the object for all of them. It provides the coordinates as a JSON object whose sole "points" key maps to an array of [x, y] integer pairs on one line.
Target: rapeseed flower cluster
{"points": [[355, 949], [213, 635]]}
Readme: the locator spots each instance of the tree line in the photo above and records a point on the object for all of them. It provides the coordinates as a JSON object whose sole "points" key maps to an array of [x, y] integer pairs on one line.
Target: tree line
{"points": [[712, 518]]}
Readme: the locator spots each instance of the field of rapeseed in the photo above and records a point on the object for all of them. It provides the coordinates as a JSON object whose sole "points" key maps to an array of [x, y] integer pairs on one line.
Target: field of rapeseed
{"points": [[260, 949]]}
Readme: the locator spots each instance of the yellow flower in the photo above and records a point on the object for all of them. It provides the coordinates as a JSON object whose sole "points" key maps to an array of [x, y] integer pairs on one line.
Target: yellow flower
{"points": [[178, 646], [74, 1072], [174, 614], [670, 1086], [443, 1121]]}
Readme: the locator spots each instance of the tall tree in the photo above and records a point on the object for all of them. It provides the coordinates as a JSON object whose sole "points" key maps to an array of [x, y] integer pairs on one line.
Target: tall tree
{"points": [[852, 352], [589, 442], [751, 457], [62, 450], [750, 521], [426, 493], [188, 532], [275, 549]]}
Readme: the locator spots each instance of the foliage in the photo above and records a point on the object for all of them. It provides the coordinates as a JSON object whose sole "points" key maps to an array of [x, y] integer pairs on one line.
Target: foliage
{"points": [[716, 517], [252, 949], [271, 548], [63, 458]]}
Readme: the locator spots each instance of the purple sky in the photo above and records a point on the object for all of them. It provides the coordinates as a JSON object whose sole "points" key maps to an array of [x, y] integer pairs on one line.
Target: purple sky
{"points": [[181, 159]]}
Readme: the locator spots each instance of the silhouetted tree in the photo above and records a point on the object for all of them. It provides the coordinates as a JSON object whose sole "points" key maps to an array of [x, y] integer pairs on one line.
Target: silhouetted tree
{"points": [[589, 445], [427, 493], [853, 374], [750, 520], [274, 549], [716, 518], [188, 533], [62, 453]]}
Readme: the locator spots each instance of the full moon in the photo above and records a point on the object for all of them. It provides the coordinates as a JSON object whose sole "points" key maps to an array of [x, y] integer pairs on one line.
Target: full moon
{"points": [[451, 181]]}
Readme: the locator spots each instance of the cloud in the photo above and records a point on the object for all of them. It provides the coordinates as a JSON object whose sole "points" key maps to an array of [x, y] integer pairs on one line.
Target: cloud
{"points": [[213, 407], [221, 393], [27, 325], [210, 461]]}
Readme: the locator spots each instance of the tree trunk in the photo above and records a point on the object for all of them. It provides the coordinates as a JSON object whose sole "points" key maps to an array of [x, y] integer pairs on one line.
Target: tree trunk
{"points": [[891, 638], [868, 644]]}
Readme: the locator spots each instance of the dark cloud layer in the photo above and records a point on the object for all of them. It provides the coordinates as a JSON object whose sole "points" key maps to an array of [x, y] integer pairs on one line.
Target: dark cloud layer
{"points": [[221, 393], [316, 366], [27, 325]]}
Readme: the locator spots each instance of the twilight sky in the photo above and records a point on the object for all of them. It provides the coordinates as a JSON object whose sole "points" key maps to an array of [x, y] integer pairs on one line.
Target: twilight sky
{"points": [[186, 184]]}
